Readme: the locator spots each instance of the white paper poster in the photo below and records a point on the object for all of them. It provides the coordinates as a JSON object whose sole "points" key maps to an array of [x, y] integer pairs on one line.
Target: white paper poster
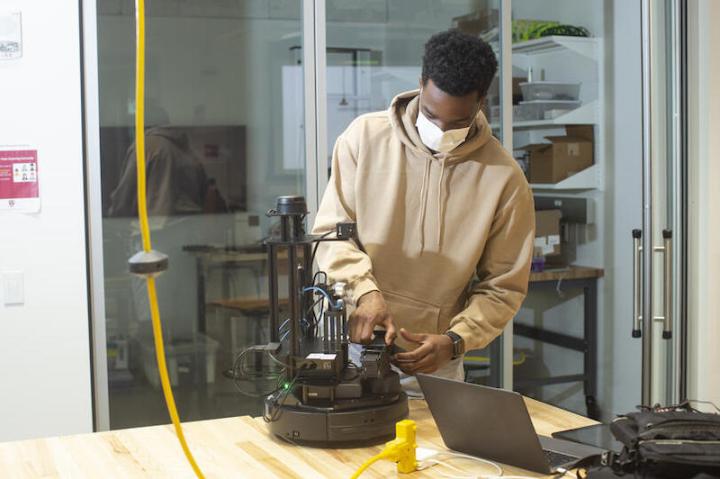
{"points": [[10, 35], [19, 179]]}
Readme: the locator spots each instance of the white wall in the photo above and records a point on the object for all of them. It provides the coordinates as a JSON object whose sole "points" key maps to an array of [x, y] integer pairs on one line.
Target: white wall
{"points": [[704, 196], [44, 344]]}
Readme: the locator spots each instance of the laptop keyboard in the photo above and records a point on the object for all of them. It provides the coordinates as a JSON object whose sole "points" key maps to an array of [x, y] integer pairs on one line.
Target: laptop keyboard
{"points": [[556, 459]]}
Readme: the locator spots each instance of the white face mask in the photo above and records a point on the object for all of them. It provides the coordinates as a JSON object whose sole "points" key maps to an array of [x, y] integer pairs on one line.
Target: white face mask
{"points": [[436, 139]]}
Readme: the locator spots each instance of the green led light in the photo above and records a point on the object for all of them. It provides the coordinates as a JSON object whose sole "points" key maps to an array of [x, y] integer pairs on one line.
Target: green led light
{"points": [[286, 386]]}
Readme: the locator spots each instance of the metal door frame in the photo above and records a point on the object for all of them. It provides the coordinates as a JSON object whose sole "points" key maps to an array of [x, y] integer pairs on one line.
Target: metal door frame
{"points": [[96, 281], [675, 243]]}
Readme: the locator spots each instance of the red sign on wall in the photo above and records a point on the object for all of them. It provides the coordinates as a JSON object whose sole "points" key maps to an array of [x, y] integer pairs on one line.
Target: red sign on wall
{"points": [[19, 185]]}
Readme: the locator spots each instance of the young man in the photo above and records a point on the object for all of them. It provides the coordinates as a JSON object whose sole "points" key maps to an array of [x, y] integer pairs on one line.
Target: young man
{"points": [[444, 215]]}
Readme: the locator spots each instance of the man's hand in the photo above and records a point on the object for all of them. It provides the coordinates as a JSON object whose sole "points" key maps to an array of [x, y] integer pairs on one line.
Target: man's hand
{"points": [[435, 351], [371, 311]]}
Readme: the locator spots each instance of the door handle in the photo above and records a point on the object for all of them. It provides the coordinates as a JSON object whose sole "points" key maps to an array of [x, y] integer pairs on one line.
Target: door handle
{"points": [[667, 284], [666, 317], [637, 287]]}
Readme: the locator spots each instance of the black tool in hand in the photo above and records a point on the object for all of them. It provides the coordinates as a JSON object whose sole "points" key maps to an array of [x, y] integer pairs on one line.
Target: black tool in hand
{"points": [[378, 341]]}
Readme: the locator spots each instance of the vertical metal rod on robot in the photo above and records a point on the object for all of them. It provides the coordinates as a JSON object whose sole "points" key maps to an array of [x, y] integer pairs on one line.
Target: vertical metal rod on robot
{"points": [[326, 332], [307, 280], [273, 294], [293, 293], [339, 335]]}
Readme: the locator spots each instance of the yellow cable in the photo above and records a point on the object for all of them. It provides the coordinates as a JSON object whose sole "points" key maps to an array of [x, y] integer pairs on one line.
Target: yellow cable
{"points": [[369, 463], [140, 122], [400, 450], [145, 230]]}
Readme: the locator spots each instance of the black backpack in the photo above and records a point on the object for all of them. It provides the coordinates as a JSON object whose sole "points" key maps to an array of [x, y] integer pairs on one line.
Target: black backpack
{"points": [[672, 442]]}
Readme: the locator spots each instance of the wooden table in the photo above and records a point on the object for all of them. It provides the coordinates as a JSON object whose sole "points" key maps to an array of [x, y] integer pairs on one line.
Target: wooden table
{"points": [[226, 258], [238, 447], [567, 274]]}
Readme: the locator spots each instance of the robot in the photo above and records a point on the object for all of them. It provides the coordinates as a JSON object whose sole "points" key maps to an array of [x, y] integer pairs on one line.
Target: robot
{"points": [[324, 399]]}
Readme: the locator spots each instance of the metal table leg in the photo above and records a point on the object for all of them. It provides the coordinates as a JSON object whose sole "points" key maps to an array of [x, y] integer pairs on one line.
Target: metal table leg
{"points": [[590, 335], [200, 266], [587, 344]]}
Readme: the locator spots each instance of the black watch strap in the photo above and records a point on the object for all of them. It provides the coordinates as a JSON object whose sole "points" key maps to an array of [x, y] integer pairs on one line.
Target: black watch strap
{"points": [[458, 344]]}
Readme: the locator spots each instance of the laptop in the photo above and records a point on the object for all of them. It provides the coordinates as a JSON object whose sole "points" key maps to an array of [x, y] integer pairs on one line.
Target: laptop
{"points": [[494, 424]]}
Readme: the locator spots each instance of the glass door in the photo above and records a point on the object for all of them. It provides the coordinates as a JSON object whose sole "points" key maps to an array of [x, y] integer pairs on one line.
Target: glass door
{"points": [[563, 103], [598, 132], [225, 111]]}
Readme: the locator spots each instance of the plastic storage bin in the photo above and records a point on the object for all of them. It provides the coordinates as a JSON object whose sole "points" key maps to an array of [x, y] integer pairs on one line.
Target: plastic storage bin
{"points": [[187, 360], [542, 109], [548, 90]]}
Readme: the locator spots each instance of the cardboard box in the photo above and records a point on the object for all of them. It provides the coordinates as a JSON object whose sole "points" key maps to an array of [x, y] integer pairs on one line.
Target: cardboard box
{"points": [[562, 157], [547, 232], [480, 22]]}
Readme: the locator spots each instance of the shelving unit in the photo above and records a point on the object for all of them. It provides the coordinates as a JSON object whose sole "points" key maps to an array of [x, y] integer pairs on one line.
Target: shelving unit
{"points": [[587, 179], [566, 59], [584, 46], [584, 115]]}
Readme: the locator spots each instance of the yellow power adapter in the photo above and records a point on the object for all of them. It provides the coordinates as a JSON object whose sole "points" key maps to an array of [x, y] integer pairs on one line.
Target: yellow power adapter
{"points": [[400, 450], [403, 446]]}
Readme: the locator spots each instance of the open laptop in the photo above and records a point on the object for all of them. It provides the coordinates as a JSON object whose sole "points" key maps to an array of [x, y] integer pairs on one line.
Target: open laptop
{"points": [[494, 424]]}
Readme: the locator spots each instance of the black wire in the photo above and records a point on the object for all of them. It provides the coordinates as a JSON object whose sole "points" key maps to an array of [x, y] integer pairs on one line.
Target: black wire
{"points": [[317, 273], [277, 411], [710, 403], [240, 373], [358, 371], [322, 311], [274, 358], [317, 243], [311, 309]]}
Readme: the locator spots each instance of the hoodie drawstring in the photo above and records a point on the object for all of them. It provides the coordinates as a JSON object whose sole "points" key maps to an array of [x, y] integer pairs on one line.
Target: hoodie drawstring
{"points": [[440, 208], [423, 202]]}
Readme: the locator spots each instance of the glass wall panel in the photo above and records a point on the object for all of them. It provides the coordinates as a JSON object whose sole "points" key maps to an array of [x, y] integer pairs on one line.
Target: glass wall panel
{"points": [[374, 52], [225, 137], [577, 132]]}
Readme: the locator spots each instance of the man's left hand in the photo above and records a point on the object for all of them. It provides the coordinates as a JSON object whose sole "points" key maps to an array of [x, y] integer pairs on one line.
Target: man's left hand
{"points": [[433, 352]]}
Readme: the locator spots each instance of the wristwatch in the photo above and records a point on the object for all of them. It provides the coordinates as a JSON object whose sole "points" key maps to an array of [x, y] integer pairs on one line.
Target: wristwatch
{"points": [[458, 344]]}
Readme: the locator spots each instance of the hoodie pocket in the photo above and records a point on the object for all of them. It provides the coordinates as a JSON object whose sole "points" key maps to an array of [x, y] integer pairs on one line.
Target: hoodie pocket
{"points": [[414, 315]]}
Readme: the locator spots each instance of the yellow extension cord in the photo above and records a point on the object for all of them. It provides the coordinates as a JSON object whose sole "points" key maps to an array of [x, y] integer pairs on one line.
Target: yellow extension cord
{"points": [[400, 450], [145, 230], [368, 463]]}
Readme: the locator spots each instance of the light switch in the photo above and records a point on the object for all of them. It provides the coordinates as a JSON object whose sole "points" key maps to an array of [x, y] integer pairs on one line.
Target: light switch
{"points": [[13, 287]]}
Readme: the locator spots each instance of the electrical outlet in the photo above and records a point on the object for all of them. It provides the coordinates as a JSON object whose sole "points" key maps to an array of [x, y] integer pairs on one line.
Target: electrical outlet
{"points": [[13, 288]]}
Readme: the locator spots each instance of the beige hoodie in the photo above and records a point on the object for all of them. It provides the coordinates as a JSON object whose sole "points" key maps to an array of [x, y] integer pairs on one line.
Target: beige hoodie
{"points": [[446, 238]]}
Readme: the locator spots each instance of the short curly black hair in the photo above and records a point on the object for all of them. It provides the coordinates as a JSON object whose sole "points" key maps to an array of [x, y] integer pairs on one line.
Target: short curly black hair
{"points": [[459, 63]]}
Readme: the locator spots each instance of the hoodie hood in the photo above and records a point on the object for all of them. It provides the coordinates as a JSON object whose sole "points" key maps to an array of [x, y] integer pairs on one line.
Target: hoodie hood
{"points": [[403, 113]]}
